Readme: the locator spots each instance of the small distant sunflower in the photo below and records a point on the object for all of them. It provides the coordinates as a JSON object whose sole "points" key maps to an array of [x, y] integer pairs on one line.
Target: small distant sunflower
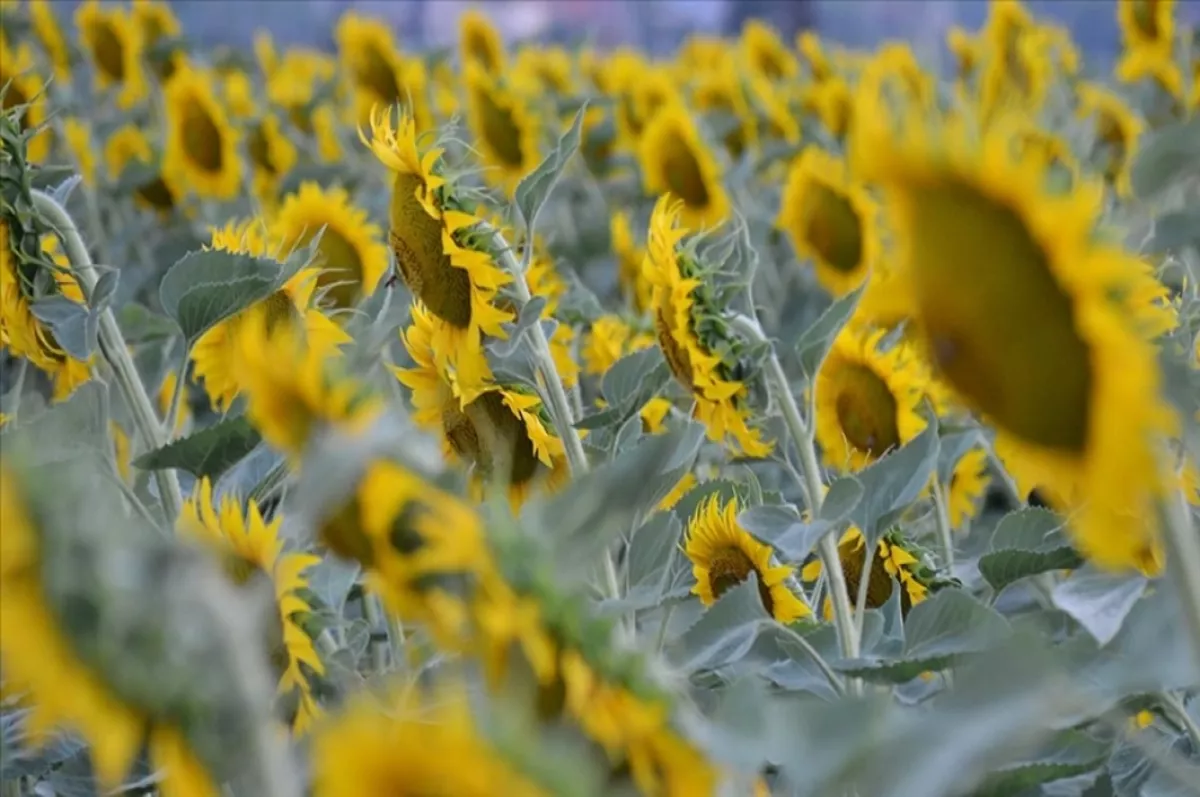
{"points": [[1049, 149], [113, 42], [325, 131], [1037, 339], [968, 483], [831, 220], [642, 95], [158, 24], [1017, 72], [201, 151], [675, 160], [1147, 24], [237, 91], [723, 555], [128, 145], [25, 87], [505, 130], [79, 141], [812, 53], [1118, 130], [377, 72], [610, 339], [295, 81], [765, 53], [629, 261], [833, 102], [271, 155], [895, 81], [450, 270], [54, 42], [867, 399], [545, 71], [721, 92], [479, 43], [893, 560], [1161, 70], [291, 305], [499, 428], [352, 255], [250, 546], [702, 357]]}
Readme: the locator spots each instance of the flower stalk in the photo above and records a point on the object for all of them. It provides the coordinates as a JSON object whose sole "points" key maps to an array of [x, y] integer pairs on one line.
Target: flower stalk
{"points": [[1183, 560]]}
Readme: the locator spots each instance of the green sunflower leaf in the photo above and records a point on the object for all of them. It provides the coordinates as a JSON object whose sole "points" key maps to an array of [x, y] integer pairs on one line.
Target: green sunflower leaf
{"points": [[204, 288], [67, 431], [650, 551], [1025, 543], [73, 325], [209, 452], [1165, 157], [814, 342], [1069, 754], [1099, 601], [782, 528], [535, 187], [892, 483], [724, 633], [1176, 230], [951, 448], [633, 380]]}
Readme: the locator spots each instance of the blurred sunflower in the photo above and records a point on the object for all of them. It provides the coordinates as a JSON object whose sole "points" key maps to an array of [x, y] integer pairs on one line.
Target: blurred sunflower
{"points": [[893, 560], [166, 392], [1147, 24], [1035, 340], [1162, 72], [23, 86], [675, 160], [479, 43], [813, 56], [271, 154], [778, 123], [1017, 72], [893, 81], [833, 103], [543, 280], [113, 42], [351, 253], [629, 255], [701, 354], [1048, 149], [128, 146], [447, 268], [377, 73], [765, 53], [968, 51], [830, 220], [200, 154], [249, 547], [721, 95], [237, 91], [78, 135], [641, 96], [504, 128], [52, 38], [295, 80], [968, 483], [326, 132], [723, 555], [867, 399], [699, 52], [1118, 130], [503, 431], [158, 24], [547, 71], [292, 305], [610, 339]]}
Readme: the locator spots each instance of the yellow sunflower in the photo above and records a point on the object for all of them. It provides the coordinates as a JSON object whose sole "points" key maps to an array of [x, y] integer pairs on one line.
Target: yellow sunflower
{"points": [[62, 691], [504, 432], [505, 130], [1035, 339], [158, 23], [721, 92], [765, 52], [377, 73], [1147, 24], [629, 256], [610, 339], [833, 102], [272, 155], [545, 71], [113, 42], [292, 305], [50, 34], [723, 555], [126, 145], [1017, 71], [166, 392], [327, 134], [250, 546], [812, 53], [968, 482], [641, 96], [867, 399], [295, 80], [479, 43], [352, 255], [968, 52], [893, 81], [1118, 130], [675, 160], [78, 137], [689, 341], [446, 267], [892, 561], [1164, 73], [831, 220], [200, 155], [25, 87]]}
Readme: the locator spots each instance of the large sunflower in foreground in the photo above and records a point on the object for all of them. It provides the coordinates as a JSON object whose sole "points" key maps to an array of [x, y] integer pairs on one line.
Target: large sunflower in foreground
{"points": [[249, 546], [723, 555], [503, 431], [23, 86], [412, 744], [62, 691], [893, 561], [676, 160], [292, 305], [113, 41], [504, 129], [701, 353], [200, 154], [351, 253], [831, 220], [867, 399], [449, 269], [1031, 332]]}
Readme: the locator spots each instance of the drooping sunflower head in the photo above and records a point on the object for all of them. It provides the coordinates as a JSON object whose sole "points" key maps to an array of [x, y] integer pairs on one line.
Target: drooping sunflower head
{"points": [[377, 72], [1147, 24], [24, 87], [867, 399], [765, 53], [200, 155], [830, 220], [1118, 130], [812, 53], [505, 130], [704, 353], [272, 155], [158, 25], [676, 160], [479, 43], [611, 338], [53, 41], [249, 547], [113, 42], [723, 555], [1037, 339], [629, 255], [896, 560]]}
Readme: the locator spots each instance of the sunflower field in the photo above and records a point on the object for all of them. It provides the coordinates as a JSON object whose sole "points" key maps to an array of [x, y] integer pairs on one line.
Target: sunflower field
{"points": [[775, 419]]}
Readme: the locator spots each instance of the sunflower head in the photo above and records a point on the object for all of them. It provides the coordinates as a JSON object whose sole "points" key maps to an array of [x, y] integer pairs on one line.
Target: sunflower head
{"points": [[1118, 130], [676, 160], [113, 41], [504, 127], [50, 34], [1147, 24], [272, 155], [721, 95], [24, 88], [765, 52], [629, 255], [479, 43], [201, 154]]}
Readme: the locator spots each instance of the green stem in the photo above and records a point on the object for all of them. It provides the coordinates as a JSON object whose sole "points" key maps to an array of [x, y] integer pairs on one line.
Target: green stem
{"points": [[1183, 560], [1175, 708], [112, 346], [945, 534], [18, 387], [661, 637], [172, 417], [373, 609], [834, 680]]}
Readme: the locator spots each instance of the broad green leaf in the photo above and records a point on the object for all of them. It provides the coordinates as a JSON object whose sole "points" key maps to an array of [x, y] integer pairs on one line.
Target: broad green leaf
{"points": [[814, 342], [650, 549], [1025, 543], [1176, 230], [69, 430], [73, 325], [209, 452], [535, 187], [331, 579], [782, 528], [1069, 754], [634, 379], [104, 290], [840, 499], [530, 314], [892, 483], [1098, 600], [1165, 156], [62, 192], [205, 288], [951, 448], [724, 633]]}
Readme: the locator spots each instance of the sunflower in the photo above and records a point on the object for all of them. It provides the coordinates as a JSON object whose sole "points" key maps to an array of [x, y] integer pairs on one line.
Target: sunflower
{"points": [[158, 24], [292, 305], [378, 75], [812, 53], [1035, 340], [409, 744], [629, 261], [833, 102], [294, 81], [237, 90], [867, 399], [353, 257], [720, 92], [699, 52], [79, 141], [503, 431], [479, 43], [166, 392], [968, 482], [893, 560], [61, 691], [54, 42], [1017, 72], [1163, 72], [543, 280], [610, 339], [641, 96], [249, 546], [1147, 24], [114, 43], [1118, 130], [546, 71], [126, 145], [894, 81], [271, 155], [968, 52], [25, 87], [201, 150], [723, 555], [505, 130], [690, 341], [830, 220], [326, 133], [675, 160], [765, 52], [1048, 149], [446, 267]]}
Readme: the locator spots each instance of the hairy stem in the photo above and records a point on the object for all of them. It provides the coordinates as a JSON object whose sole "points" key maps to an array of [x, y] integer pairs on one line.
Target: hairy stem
{"points": [[945, 535], [1183, 560], [172, 416]]}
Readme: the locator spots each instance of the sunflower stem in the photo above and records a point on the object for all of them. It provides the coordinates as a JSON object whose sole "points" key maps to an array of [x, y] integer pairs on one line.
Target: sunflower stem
{"points": [[22, 366], [1183, 560], [1178, 712], [1010, 486], [373, 609], [836, 682], [864, 587], [113, 347], [172, 416], [943, 523]]}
